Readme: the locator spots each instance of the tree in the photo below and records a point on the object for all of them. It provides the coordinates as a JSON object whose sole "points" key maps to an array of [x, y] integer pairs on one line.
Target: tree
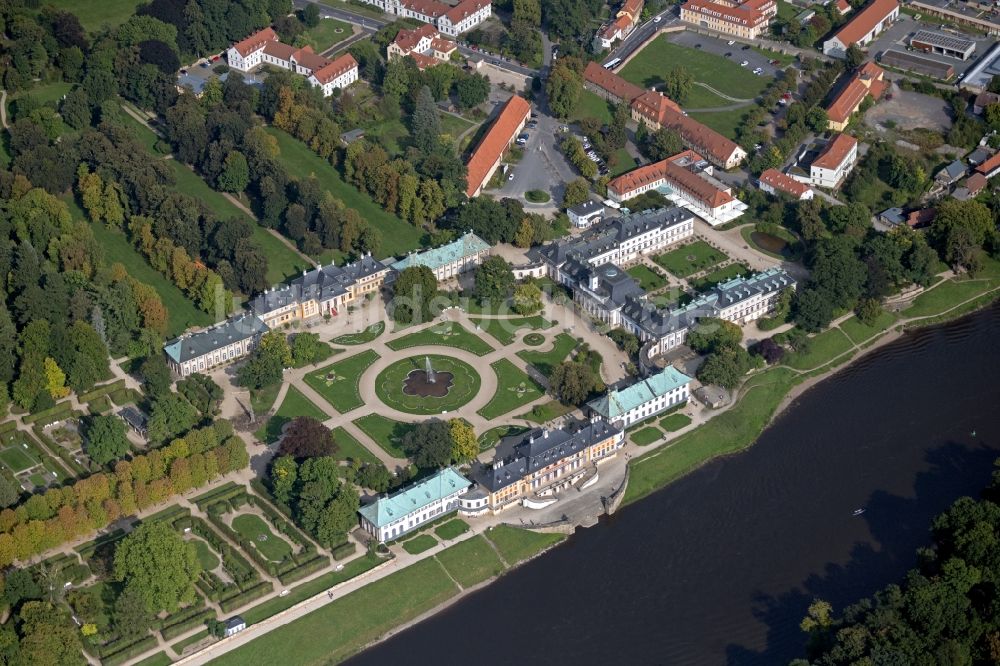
{"points": [[471, 90], [573, 382], [838, 272], [131, 617], [284, 474], [464, 445], [310, 15], [494, 280], [307, 348], [155, 375], [661, 144], [725, 366], [813, 309], [527, 298], [677, 84], [770, 351], [374, 476], [713, 334], [628, 342], [412, 293], [959, 227], [425, 123], [854, 56], [564, 85], [48, 635], [817, 119], [158, 565], [10, 492], [170, 416], [577, 191], [305, 437], [235, 174], [88, 362], [266, 364], [104, 439], [429, 444], [202, 392]]}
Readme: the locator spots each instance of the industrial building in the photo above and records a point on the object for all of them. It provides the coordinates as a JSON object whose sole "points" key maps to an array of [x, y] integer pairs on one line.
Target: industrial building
{"points": [[941, 43], [918, 64]]}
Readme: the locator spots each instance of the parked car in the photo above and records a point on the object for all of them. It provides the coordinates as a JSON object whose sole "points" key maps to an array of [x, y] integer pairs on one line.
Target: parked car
{"points": [[731, 42], [510, 176], [697, 46], [564, 128], [205, 64], [657, 19], [729, 54], [746, 47], [744, 63]]}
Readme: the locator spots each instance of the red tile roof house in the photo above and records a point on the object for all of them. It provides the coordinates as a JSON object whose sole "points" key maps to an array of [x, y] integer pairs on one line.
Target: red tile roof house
{"points": [[863, 28], [686, 179], [773, 181], [486, 159], [451, 20], [424, 44], [990, 167], [626, 20], [869, 79], [264, 48], [656, 110]]}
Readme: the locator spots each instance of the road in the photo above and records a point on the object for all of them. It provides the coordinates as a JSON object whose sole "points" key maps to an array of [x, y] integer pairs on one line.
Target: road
{"points": [[637, 39]]}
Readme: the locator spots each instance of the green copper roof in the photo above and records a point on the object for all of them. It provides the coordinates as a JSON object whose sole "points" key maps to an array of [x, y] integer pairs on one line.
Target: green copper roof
{"points": [[468, 245], [412, 499], [617, 403]]}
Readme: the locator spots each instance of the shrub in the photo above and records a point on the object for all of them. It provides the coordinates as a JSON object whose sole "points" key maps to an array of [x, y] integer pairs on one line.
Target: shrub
{"points": [[344, 550], [243, 599]]}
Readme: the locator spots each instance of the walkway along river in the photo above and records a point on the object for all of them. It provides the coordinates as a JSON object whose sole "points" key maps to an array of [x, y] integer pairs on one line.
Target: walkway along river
{"points": [[719, 567]]}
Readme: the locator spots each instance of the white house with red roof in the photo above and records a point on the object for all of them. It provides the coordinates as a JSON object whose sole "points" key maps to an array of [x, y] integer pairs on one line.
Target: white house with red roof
{"points": [[424, 44], [773, 181], [448, 19], [264, 48], [625, 21]]}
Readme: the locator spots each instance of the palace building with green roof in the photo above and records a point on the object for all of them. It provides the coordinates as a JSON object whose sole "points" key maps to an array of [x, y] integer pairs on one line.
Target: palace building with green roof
{"points": [[392, 516], [647, 397]]}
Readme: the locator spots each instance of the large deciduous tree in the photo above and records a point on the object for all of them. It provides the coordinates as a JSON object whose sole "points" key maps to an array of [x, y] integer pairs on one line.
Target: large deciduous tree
{"points": [[104, 439], [429, 444], [305, 437], [494, 280], [412, 294], [157, 564]]}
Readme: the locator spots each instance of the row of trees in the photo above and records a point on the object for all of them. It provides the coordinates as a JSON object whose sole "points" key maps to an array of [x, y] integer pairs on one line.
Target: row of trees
{"points": [[47, 520]]}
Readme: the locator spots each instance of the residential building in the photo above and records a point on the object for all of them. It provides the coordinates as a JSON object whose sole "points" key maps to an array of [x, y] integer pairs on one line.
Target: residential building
{"points": [[869, 79], [645, 398], [983, 100], [215, 346], [942, 43], [583, 215], [892, 217], [485, 160], [979, 155], [990, 167], [323, 290], [394, 515], [543, 462], [922, 217], [625, 21], [655, 111], [746, 299], [424, 44], [600, 291], [451, 20], [234, 625], [826, 164], [843, 7], [773, 181], [951, 173], [448, 260], [866, 25], [749, 19], [971, 188], [686, 179], [264, 48]]}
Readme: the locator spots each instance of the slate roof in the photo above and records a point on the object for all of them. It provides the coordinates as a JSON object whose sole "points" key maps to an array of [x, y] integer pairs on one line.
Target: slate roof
{"points": [[587, 208], [616, 403], [413, 498], [320, 284], [537, 449], [198, 344]]}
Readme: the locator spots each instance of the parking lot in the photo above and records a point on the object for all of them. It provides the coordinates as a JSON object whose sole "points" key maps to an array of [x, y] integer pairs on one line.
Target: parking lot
{"points": [[737, 52], [899, 33]]}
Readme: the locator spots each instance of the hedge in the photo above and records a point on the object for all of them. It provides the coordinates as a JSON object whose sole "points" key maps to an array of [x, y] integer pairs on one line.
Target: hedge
{"points": [[7, 426], [253, 593], [300, 572], [223, 492], [241, 570], [133, 650], [344, 550], [175, 630], [123, 397], [101, 390], [99, 405], [51, 413], [63, 454], [180, 615]]}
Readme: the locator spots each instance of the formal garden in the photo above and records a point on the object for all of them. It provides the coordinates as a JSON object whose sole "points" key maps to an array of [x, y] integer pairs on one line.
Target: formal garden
{"points": [[338, 382], [514, 390], [427, 385], [445, 334], [690, 259]]}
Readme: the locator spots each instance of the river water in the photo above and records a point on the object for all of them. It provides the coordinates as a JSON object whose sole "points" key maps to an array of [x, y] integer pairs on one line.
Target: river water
{"points": [[719, 567]]}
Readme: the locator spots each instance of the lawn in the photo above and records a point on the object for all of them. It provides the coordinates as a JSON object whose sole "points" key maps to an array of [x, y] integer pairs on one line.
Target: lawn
{"points": [[96, 13], [646, 436], [647, 278], [546, 412], [648, 67], [16, 460], [723, 122], [690, 259], [702, 98], [727, 432], [181, 312], [620, 162], [390, 383], [591, 105], [546, 361], [338, 382], [675, 422], [823, 348], [514, 389], [349, 448], [491, 437], [446, 334], [310, 589], [262, 400], [505, 330], [386, 432], [945, 296], [209, 560], [719, 276], [45, 93], [398, 237], [179, 646], [419, 544], [517, 545], [295, 404], [326, 34], [471, 562], [339, 629], [452, 529], [252, 528], [361, 337], [859, 332], [158, 659]]}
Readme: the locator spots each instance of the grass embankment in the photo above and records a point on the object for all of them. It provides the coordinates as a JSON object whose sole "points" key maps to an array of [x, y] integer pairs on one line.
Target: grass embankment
{"points": [[339, 629]]}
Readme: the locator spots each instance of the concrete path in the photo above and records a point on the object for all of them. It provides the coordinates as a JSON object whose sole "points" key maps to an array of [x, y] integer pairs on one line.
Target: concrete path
{"points": [[3, 108], [721, 94]]}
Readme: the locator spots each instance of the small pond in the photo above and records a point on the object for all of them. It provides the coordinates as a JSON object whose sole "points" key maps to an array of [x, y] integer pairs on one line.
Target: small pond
{"points": [[773, 244]]}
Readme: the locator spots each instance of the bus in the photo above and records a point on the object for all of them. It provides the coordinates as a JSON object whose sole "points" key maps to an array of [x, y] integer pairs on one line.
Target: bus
{"points": [[611, 64]]}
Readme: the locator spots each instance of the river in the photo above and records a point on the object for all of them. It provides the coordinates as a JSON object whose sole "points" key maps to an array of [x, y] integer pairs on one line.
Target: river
{"points": [[719, 567]]}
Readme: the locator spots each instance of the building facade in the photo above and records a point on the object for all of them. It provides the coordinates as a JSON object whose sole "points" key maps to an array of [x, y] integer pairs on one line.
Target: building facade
{"points": [[485, 160], [394, 515], [868, 80], [773, 181], [221, 344], [545, 462], [264, 48], [625, 21], [749, 20], [451, 20], [645, 398], [866, 25], [448, 261], [826, 164], [586, 214], [424, 44]]}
